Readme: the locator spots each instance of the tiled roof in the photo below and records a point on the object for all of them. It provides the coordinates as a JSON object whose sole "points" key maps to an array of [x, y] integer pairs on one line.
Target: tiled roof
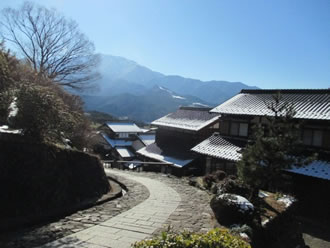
{"points": [[123, 127], [124, 152], [114, 142], [188, 118], [172, 157], [218, 147], [318, 168], [147, 139], [308, 104]]}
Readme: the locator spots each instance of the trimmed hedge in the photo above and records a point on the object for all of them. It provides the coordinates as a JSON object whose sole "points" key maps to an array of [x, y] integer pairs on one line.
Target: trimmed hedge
{"points": [[216, 238]]}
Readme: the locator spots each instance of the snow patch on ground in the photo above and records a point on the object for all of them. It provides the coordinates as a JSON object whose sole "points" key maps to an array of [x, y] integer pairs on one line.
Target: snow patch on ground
{"points": [[264, 222], [6, 129], [244, 235], [262, 194], [287, 200], [13, 110], [239, 201]]}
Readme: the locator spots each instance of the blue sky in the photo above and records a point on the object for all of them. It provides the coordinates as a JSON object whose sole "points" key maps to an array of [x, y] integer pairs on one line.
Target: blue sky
{"points": [[267, 43]]}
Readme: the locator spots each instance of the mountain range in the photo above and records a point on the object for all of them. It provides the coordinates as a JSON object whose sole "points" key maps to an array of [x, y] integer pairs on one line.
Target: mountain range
{"points": [[127, 89]]}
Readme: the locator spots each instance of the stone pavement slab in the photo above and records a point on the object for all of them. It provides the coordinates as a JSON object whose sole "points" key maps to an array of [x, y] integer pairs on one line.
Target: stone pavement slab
{"points": [[133, 225], [38, 235]]}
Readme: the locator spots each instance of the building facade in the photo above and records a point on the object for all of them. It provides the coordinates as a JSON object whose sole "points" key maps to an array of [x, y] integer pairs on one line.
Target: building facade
{"points": [[240, 113], [176, 134], [122, 140]]}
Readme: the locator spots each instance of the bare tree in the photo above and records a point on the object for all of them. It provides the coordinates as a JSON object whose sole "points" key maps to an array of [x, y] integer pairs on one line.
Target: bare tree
{"points": [[52, 44]]}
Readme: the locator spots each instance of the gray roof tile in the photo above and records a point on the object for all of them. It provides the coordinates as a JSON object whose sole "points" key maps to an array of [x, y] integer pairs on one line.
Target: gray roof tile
{"points": [[124, 127], [308, 104], [188, 118], [218, 147], [317, 168], [175, 156]]}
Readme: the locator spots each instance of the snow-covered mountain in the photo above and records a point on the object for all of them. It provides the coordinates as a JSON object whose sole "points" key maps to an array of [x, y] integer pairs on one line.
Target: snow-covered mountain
{"points": [[129, 89], [120, 75]]}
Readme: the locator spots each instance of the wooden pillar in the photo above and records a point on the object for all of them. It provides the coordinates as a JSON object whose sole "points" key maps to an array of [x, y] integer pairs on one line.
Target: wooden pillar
{"points": [[208, 165]]}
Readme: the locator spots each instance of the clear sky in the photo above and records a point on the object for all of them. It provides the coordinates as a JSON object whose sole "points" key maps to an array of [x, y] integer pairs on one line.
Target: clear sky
{"points": [[266, 43]]}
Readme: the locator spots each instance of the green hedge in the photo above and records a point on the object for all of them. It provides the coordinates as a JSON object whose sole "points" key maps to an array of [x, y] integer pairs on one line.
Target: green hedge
{"points": [[216, 238]]}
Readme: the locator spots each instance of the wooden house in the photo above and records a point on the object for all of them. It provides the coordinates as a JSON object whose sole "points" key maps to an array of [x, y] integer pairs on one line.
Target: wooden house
{"points": [[176, 134], [249, 107], [123, 139]]}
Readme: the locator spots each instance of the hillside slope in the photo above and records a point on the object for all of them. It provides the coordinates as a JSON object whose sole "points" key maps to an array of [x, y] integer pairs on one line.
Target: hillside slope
{"points": [[154, 103], [127, 89]]}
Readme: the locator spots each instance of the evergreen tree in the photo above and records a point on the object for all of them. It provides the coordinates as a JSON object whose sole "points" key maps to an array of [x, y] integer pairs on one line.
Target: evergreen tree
{"points": [[276, 146]]}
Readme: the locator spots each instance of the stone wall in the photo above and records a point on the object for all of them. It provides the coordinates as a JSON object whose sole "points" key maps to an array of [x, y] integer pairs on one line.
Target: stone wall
{"points": [[36, 179]]}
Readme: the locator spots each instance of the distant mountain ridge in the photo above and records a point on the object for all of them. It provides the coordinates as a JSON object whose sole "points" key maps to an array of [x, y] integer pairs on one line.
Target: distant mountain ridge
{"points": [[129, 89], [120, 75], [151, 105]]}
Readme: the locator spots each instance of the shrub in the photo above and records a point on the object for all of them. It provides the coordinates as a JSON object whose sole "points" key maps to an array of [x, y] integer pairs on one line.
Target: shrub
{"points": [[220, 175], [45, 111], [211, 179], [216, 238], [240, 229], [233, 186], [232, 209]]}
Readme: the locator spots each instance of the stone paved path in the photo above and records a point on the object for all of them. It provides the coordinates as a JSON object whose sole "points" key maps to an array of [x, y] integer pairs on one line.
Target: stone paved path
{"points": [[193, 213], [133, 225], [46, 232]]}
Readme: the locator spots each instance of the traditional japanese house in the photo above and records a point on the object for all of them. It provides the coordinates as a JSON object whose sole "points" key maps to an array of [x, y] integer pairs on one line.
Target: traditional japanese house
{"points": [[241, 112], [177, 133], [123, 139]]}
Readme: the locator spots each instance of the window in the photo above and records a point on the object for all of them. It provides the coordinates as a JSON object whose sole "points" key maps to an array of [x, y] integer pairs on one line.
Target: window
{"points": [[215, 126], [123, 135], [217, 164], [243, 129], [224, 127], [239, 129], [312, 137], [234, 128], [317, 138]]}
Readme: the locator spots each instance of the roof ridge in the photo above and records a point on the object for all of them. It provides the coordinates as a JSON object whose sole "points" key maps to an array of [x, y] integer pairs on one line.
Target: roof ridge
{"points": [[195, 108], [287, 91]]}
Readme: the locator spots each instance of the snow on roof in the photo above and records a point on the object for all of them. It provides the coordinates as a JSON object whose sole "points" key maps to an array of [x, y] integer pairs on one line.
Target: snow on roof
{"points": [[308, 104], [124, 127], [116, 142], [124, 152], [218, 147], [147, 139], [317, 168], [154, 152], [188, 118]]}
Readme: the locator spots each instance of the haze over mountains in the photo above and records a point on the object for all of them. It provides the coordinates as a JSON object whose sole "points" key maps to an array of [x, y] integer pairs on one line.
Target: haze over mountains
{"points": [[127, 89]]}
